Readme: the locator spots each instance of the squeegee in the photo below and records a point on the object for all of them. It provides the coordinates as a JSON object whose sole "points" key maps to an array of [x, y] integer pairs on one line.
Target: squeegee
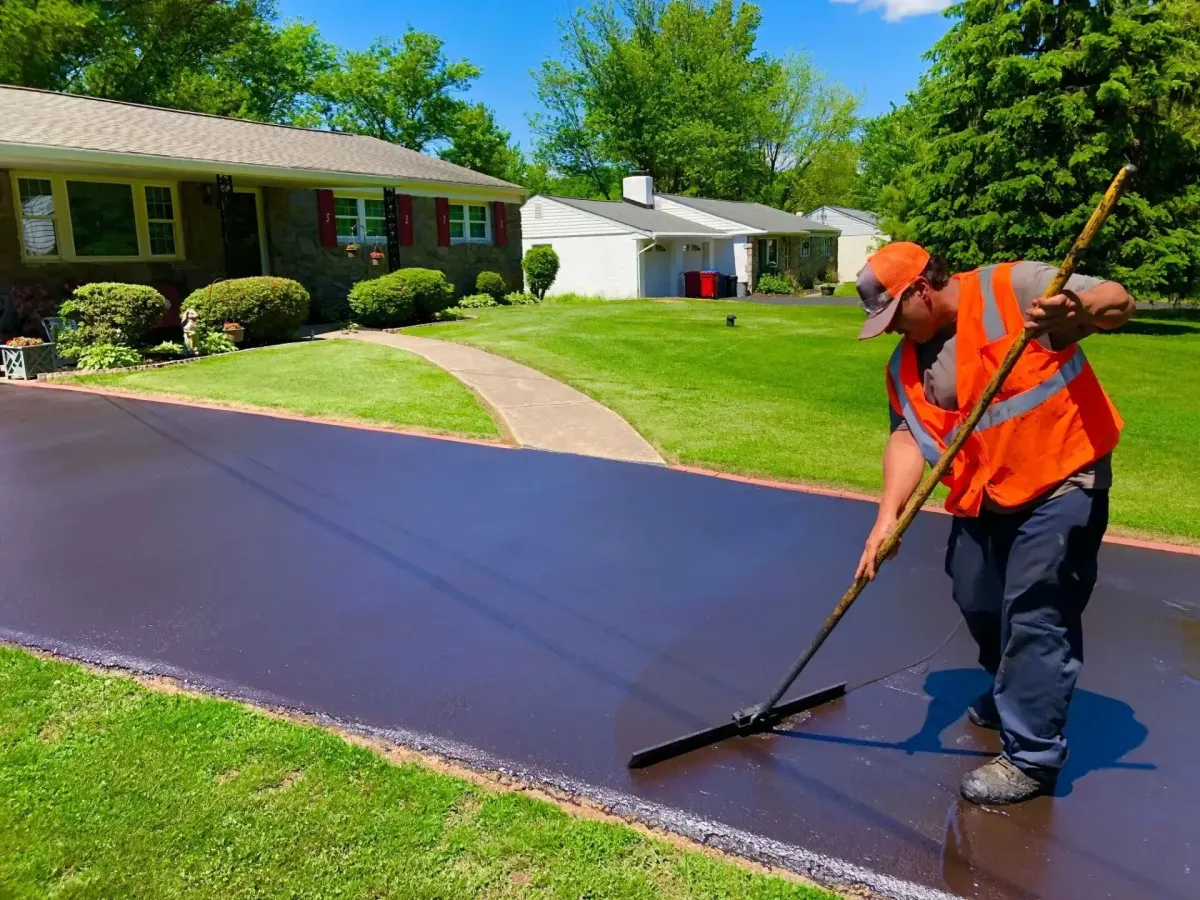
{"points": [[766, 715]]}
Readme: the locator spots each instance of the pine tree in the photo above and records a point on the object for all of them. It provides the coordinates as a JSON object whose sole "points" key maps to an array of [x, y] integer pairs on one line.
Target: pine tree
{"points": [[1031, 108]]}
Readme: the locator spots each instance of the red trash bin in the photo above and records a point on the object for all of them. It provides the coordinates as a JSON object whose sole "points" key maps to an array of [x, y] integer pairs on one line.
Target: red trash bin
{"points": [[691, 284], [708, 285]]}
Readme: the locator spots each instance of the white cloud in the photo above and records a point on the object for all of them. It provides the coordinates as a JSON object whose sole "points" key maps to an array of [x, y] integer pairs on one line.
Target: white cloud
{"points": [[895, 10]]}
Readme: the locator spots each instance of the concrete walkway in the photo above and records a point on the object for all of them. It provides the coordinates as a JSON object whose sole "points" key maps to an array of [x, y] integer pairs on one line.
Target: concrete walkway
{"points": [[539, 412]]}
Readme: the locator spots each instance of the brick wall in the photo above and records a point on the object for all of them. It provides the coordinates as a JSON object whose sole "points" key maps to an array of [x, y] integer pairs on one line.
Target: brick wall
{"points": [[328, 274]]}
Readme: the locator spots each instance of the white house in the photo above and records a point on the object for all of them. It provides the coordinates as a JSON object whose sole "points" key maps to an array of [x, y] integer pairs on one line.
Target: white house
{"points": [[641, 246], [860, 237]]}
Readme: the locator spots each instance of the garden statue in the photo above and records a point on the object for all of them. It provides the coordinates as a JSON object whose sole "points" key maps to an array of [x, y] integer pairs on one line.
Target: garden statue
{"points": [[191, 323]]}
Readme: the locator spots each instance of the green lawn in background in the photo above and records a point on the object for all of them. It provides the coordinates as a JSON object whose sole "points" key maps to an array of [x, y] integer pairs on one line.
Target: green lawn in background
{"points": [[790, 393], [332, 379], [845, 289], [111, 790]]}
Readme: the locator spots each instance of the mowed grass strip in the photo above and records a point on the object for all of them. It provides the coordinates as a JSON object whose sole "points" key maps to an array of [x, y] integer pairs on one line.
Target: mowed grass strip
{"points": [[346, 379], [108, 789], [789, 393]]}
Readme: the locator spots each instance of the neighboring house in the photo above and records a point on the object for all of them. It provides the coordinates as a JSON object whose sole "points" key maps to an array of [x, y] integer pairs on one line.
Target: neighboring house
{"points": [[96, 190], [860, 237], [642, 245]]}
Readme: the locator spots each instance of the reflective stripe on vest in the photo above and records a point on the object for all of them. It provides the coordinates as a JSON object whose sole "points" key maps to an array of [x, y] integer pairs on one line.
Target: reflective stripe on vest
{"points": [[1027, 401], [929, 448], [993, 322]]}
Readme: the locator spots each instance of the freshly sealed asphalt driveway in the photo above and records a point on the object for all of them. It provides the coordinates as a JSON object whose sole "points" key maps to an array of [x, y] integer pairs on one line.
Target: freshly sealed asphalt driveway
{"points": [[552, 613]]}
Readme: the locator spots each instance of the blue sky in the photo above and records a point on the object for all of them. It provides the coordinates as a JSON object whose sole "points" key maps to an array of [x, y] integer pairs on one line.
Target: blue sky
{"points": [[874, 47]]}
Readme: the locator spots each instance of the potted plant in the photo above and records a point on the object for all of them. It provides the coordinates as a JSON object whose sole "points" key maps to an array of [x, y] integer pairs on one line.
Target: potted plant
{"points": [[377, 256], [26, 358], [234, 332], [827, 289], [352, 250]]}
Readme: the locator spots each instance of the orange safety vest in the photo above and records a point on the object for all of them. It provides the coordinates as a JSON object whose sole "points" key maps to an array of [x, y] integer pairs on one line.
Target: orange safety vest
{"points": [[1050, 420]]}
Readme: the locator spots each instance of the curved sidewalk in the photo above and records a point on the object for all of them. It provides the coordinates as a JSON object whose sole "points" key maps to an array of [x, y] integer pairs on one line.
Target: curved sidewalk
{"points": [[539, 412]]}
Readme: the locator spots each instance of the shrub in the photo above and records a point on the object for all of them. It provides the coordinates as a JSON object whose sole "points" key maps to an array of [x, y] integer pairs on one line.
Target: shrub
{"points": [[453, 314], [521, 298], [210, 342], [478, 301], [401, 296], [107, 356], [776, 284], [130, 309], [166, 348], [382, 301], [270, 309], [430, 290], [71, 342], [541, 268], [492, 284]]}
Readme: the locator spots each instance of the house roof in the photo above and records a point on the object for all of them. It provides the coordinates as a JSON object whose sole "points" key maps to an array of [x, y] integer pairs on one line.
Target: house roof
{"points": [[861, 214], [758, 216], [72, 122], [651, 221]]}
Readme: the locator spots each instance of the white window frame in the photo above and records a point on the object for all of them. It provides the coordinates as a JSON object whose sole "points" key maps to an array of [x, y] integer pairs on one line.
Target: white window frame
{"points": [[805, 248], [466, 220], [64, 231], [360, 230]]}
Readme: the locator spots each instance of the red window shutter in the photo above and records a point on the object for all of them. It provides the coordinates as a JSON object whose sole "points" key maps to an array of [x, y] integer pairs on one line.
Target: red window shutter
{"points": [[443, 221], [499, 224], [326, 223], [404, 215]]}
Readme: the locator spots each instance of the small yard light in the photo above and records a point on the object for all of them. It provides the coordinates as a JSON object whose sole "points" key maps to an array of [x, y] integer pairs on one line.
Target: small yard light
{"points": [[730, 320]]}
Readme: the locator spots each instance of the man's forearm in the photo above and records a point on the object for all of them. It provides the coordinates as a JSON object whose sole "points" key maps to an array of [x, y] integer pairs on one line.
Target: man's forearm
{"points": [[903, 466], [1107, 305]]}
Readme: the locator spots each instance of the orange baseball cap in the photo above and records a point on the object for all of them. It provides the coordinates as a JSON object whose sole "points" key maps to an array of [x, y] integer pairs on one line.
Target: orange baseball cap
{"points": [[882, 282]]}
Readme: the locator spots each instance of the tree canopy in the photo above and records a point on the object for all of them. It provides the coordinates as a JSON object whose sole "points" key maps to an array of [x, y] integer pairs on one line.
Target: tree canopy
{"points": [[1027, 112], [676, 88]]}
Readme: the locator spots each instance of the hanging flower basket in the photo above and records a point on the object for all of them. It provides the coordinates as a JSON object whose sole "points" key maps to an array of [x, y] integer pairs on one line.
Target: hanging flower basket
{"points": [[27, 358], [234, 332], [377, 256], [352, 250]]}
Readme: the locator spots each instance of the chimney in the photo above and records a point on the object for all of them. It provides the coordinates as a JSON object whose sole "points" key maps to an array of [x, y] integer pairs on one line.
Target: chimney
{"points": [[638, 189]]}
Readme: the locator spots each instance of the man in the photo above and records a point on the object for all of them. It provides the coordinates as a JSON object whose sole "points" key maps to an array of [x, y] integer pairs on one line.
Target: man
{"points": [[1029, 489]]}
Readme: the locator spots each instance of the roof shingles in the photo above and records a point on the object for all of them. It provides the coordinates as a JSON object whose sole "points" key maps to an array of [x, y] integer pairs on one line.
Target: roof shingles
{"points": [[70, 121]]}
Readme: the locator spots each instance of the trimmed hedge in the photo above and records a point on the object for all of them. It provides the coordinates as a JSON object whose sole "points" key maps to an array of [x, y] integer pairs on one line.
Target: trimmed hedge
{"points": [[270, 309], [492, 284], [401, 297], [776, 284], [111, 309], [382, 302]]}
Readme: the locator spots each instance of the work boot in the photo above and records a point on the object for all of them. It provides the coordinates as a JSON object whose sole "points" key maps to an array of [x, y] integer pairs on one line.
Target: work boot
{"points": [[983, 712], [1000, 782]]}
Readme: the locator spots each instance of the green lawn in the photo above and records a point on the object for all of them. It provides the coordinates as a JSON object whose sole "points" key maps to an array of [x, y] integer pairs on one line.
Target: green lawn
{"points": [[111, 790], [348, 380], [789, 393]]}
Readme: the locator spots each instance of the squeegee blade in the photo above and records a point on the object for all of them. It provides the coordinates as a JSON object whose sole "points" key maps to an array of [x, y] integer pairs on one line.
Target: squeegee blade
{"points": [[708, 736], [681, 745]]}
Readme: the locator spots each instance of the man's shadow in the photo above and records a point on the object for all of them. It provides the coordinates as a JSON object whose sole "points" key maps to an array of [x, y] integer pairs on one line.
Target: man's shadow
{"points": [[1100, 730]]}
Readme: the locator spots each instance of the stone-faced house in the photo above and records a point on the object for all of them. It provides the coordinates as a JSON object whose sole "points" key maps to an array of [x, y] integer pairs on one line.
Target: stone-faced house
{"points": [[96, 190]]}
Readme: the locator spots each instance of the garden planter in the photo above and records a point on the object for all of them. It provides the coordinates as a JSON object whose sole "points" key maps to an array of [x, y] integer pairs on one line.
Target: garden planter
{"points": [[26, 363], [827, 290], [235, 333]]}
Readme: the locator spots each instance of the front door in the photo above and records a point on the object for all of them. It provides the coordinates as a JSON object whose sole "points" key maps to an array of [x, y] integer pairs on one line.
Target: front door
{"points": [[243, 251]]}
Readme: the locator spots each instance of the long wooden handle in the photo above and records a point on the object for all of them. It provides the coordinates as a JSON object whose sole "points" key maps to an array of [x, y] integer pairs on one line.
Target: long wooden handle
{"points": [[942, 466]]}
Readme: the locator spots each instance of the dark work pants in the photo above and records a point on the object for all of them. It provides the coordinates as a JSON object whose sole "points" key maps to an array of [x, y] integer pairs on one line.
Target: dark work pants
{"points": [[1022, 581]]}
